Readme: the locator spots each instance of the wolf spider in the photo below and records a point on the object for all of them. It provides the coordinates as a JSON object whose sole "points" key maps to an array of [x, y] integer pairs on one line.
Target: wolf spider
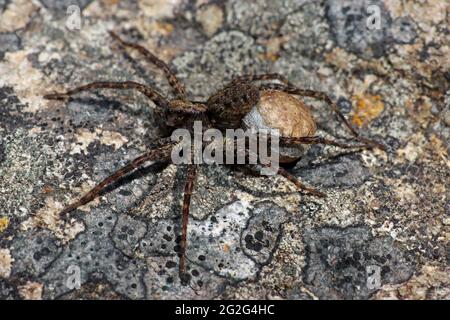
{"points": [[225, 109]]}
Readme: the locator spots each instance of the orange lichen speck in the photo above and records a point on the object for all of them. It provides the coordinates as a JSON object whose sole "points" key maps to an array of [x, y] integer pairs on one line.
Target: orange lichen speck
{"points": [[366, 108]]}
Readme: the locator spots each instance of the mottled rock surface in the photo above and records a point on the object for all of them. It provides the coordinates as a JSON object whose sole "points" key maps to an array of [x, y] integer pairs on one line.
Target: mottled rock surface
{"points": [[249, 236]]}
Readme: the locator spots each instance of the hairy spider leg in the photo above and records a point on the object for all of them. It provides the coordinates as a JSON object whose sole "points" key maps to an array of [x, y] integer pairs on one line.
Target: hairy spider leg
{"points": [[311, 140], [160, 154], [179, 106], [260, 77], [188, 189], [320, 140], [308, 140], [300, 186], [282, 172], [176, 84], [157, 98], [323, 97]]}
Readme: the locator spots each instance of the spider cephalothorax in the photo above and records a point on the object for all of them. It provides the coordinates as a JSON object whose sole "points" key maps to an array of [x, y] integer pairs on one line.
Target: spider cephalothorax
{"points": [[242, 103]]}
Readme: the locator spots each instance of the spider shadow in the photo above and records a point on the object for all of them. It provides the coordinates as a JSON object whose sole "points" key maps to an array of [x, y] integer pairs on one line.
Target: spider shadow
{"points": [[141, 71], [103, 104]]}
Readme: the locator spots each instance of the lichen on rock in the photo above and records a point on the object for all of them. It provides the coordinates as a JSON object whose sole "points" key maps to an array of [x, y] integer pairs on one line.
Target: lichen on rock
{"points": [[249, 237]]}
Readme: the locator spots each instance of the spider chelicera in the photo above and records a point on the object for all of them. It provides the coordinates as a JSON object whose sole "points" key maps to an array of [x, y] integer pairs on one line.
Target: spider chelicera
{"points": [[224, 110]]}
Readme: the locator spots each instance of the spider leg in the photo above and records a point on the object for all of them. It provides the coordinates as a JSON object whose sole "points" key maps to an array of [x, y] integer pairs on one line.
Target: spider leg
{"points": [[171, 78], [310, 140], [261, 77], [323, 97], [188, 188], [282, 172], [307, 140], [160, 154], [153, 95], [320, 140], [300, 186]]}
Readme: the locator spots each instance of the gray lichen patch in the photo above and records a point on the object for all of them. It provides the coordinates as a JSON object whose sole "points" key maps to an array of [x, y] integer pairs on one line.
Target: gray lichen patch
{"points": [[306, 31], [88, 253], [397, 201], [345, 172], [263, 232], [128, 234], [248, 236], [360, 26], [59, 8], [163, 281], [31, 159], [8, 42], [34, 252], [260, 18], [229, 243], [226, 54], [340, 260]]}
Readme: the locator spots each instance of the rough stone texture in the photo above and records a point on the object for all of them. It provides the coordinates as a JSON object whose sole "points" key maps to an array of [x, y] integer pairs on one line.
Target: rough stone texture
{"points": [[337, 261], [8, 42], [354, 29], [61, 6], [249, 236]]}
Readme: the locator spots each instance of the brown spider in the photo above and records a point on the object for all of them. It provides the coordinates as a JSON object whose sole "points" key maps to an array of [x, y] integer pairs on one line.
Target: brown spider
{"points": [[225, 109]]}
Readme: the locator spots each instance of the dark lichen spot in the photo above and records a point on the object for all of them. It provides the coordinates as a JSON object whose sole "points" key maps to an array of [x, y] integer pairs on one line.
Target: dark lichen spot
{"points": [[125, 193], [259, 235], [185, 278], [251, 244]]}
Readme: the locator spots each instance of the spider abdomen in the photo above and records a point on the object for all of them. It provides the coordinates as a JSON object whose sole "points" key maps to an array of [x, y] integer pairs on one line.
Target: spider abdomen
{"points": [[282, 111], [229, 106]]}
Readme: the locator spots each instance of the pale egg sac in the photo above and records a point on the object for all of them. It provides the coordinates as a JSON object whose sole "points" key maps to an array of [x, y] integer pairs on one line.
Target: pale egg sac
{"points": [[282, 111]]}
